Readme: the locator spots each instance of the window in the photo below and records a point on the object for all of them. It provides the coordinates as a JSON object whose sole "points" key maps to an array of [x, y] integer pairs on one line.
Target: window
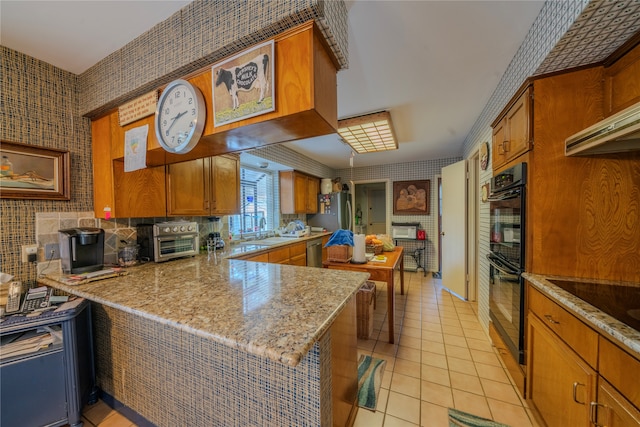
{"points": [[256, 203]]}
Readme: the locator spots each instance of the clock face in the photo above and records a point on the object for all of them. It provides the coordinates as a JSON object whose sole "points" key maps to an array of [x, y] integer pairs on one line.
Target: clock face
{"points": [[180, 117]]}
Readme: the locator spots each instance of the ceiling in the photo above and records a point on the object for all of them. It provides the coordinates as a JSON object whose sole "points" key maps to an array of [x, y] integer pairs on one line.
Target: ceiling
{"points": [[432, 64]]}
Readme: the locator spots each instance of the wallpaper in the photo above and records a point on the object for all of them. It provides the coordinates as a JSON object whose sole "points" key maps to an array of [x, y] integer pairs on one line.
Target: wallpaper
{"points": [[39, 106]]}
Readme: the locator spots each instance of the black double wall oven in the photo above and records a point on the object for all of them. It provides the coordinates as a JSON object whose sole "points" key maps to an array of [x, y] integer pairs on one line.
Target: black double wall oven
{"points": [[506, 257]]}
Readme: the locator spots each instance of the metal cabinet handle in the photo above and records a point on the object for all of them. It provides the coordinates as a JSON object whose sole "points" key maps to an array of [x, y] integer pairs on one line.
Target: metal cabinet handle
{"points": [[593, 413], [504, 146], [550, 319], [575, 390]]}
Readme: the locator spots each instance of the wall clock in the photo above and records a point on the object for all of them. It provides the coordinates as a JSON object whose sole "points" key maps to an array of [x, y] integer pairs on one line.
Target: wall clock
{"points": [[180, 117]]}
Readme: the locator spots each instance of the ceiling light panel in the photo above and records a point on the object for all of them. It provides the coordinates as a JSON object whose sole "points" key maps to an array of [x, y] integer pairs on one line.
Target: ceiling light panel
{"points": [[369, 133]]}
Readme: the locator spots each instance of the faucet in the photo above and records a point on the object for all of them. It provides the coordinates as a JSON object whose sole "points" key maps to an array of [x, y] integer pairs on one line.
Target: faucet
{"points": [[262, 225]]}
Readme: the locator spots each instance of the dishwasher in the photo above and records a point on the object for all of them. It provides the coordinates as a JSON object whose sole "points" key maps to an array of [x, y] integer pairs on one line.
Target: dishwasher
{"points": [[314, 253]]}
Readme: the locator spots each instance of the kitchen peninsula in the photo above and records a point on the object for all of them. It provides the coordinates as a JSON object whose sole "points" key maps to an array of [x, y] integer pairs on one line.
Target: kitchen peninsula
{"points": [[212, 341]]}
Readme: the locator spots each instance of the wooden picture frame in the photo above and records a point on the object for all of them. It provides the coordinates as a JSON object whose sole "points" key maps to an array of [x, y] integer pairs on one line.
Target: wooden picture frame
{"points": [[33, 172], [411, 197], [243, 85]]}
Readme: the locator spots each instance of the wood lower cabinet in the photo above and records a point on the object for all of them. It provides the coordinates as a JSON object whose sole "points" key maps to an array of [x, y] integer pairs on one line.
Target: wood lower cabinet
{"points": [[203, 187], [290, 254], [298, 192], [566, 359], [298, 254], [612, 409], [560, 384], [513, 130]]}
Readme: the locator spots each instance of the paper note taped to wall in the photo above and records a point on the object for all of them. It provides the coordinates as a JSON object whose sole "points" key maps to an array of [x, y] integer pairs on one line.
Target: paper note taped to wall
{"points": [[135, 148], [138, 108]]}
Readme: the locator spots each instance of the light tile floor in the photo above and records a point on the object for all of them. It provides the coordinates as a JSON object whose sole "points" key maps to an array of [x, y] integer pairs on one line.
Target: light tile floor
{"points": [[442, 358]]}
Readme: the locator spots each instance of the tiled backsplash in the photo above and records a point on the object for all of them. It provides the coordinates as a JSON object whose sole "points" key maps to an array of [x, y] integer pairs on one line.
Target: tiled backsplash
{"points": [[47, 225]]}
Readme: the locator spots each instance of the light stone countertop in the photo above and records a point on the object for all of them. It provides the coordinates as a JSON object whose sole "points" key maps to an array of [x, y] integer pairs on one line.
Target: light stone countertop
{"points": [[271, 310], [238, 249], [605, 324]]}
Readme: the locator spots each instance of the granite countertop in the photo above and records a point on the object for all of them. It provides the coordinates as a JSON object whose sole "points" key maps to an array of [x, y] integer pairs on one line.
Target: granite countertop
{"points": [[271, 310], [238, 249], [605, 324]]}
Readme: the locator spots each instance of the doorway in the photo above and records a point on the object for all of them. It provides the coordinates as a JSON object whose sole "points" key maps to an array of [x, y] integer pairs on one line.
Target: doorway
{"points": [[370, 207]]}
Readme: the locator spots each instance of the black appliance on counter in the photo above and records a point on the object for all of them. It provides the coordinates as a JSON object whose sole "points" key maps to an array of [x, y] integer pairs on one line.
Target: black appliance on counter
{"points": [[81, 249], [507, 204]]}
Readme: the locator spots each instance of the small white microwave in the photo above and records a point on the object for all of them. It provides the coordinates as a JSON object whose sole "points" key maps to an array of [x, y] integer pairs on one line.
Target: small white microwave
{"points": [[404, 231]]}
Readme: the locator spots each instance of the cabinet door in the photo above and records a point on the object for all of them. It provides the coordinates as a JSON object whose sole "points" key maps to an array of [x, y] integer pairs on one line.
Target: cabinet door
{"points": [[613, 410], [286, 192], [622, 83], [559, 383], [518, 124], [498, 153], [140, 193], [187, 188], [300, 192], [225, 185], [313, 188]]}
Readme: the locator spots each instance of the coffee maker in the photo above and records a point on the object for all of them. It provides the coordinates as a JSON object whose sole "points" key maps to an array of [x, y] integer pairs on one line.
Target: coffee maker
{"points": [[81, 249]]}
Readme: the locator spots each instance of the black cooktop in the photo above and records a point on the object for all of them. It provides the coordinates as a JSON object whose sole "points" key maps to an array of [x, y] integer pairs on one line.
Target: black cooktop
{"points": [[618, 301]]}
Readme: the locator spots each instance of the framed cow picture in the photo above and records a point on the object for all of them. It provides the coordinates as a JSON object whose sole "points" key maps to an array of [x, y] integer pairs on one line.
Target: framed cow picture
{"points": [[243, 85]]}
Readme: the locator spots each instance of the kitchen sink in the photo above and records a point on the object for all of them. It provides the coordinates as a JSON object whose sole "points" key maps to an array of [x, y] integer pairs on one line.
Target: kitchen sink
{"points": [[267, 242]]}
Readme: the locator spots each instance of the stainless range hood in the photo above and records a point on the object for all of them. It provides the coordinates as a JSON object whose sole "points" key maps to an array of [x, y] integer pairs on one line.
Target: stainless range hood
{"points": [[615, 134]]}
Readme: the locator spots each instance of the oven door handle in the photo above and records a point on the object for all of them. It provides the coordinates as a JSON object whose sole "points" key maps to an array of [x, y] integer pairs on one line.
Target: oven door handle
{"points": [[505, 195], [501, 267]]}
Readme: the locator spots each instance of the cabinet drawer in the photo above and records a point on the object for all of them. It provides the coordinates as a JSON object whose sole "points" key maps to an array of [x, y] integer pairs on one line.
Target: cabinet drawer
{"points": [[297, 249], [279, 255], [259, 258], [300, 260], [582, 339], [621, 370]]}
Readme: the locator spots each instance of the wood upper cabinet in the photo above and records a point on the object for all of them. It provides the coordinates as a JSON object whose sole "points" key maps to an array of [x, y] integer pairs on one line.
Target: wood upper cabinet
{"points": [[140, 193], [622, 82], [560, 384], [513, 130], [298, 192], [305, 87], [204, 187]]}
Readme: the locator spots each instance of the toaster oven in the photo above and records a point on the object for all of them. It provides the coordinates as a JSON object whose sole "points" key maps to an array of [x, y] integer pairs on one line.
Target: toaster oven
{"points": [[168, 240]]}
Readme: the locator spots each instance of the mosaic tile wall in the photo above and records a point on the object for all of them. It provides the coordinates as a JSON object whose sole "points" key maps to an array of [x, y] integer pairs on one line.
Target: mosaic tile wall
{"points": [[565, 34], [429, 169], [198, 35], [182, 393], [39, 106]]}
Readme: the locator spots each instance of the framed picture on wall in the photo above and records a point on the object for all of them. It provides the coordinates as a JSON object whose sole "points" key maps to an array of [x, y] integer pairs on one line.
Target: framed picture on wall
{"points": [[243, 85], [411, 197], [33, 172]]}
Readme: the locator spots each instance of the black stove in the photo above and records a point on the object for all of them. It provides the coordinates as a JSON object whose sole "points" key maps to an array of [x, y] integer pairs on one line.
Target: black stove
{"points": [[618, 301]]}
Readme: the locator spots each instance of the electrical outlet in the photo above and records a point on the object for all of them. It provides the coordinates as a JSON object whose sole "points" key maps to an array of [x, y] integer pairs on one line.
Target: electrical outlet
{"points": [[29, 250], [51, 251]]}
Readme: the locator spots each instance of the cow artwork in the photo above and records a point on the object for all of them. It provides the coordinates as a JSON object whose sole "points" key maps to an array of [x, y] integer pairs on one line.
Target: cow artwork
{"points": [[246, 77], [236, 75]]}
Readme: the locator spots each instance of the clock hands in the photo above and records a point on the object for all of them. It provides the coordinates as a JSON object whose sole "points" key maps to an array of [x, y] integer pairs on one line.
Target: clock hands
{"points": [[173, 121]]}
